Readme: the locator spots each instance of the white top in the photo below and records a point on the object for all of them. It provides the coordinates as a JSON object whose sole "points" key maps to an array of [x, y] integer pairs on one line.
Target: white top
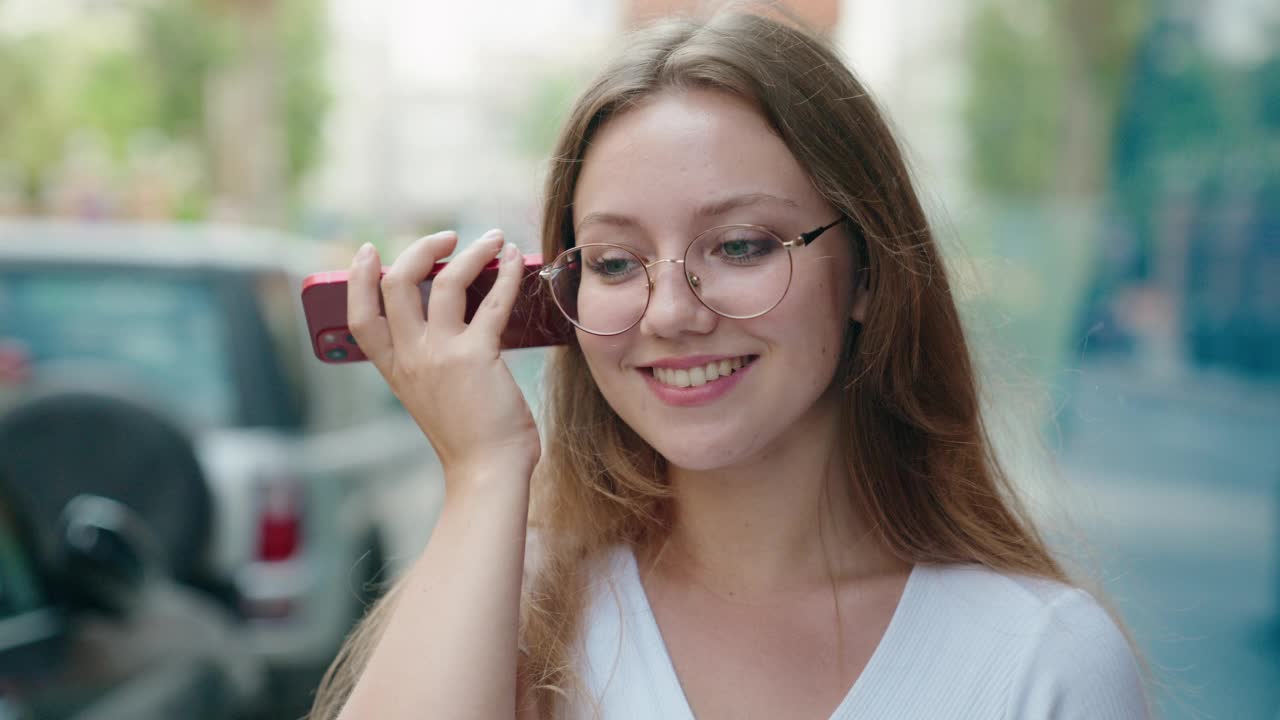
{"points": [[965, 642]]}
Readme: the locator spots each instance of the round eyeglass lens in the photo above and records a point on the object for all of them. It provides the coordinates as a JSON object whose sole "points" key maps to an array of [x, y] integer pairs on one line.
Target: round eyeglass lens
{"points": [[602, 289], [739, 271]]}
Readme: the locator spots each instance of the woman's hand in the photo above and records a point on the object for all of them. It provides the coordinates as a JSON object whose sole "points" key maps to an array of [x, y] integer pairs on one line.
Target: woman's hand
{"points": [[447, 373]]}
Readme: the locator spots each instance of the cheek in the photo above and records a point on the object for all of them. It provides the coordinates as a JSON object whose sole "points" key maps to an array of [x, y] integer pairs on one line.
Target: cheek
{"points": [[815, 331], [836, 288], [603, 356]]}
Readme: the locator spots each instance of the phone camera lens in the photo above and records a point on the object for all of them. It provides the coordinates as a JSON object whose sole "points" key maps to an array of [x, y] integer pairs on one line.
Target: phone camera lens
{"points": [[351, 340], [336, 353]]}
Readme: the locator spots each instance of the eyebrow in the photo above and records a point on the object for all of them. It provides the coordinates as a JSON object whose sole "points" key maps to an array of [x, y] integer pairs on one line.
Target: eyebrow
{"points": [[709, 209]]}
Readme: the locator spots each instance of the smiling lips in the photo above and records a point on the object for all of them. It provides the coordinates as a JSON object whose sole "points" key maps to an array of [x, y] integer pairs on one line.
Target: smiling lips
{"points": [[700, 375], [695, 384]]}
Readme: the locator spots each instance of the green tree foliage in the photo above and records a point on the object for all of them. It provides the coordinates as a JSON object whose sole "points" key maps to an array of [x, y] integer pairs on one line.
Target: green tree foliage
{"points": [[548, 104], [1013, 107], [31, 128], [1033, 63], [150, 72], [1046, 79], [183, 42], [303, 45]]}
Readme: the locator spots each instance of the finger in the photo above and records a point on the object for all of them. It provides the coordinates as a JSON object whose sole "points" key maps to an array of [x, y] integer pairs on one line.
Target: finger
{"points": [[364, 318], [446, 308], [400, 291], [494, 313]]}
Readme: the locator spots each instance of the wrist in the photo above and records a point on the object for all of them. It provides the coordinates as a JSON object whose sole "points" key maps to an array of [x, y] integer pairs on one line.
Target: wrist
{"points": [[495, 474], [514, 457]]}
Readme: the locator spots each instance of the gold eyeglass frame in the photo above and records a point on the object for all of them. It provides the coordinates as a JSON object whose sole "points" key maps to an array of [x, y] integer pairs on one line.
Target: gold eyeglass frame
{"points": [[548, 272]]}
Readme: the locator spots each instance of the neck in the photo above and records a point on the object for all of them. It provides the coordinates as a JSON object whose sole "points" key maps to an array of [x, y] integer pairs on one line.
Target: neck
{"points": [[778, 521]]}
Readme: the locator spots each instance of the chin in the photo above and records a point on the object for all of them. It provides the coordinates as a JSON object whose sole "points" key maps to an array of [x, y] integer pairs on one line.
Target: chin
{"points": [[698, 451]]}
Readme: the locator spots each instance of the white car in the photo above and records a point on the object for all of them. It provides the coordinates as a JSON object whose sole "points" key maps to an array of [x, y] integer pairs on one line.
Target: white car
{"points": [[205, 324]]}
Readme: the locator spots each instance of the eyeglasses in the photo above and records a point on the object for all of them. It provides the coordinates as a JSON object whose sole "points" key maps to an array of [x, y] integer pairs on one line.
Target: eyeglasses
{"points": [[736, 271]]}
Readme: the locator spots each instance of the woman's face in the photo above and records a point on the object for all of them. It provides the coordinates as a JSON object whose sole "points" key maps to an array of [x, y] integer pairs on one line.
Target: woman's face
{"points": [[647, 182]]}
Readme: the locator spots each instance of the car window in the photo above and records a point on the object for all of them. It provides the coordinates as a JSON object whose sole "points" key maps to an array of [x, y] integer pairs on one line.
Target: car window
{"points": [[282, 314], [19, 589], [162, 332]]}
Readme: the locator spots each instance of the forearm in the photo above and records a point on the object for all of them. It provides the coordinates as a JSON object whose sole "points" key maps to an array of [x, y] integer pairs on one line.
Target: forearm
{"points": [[449, 648]]}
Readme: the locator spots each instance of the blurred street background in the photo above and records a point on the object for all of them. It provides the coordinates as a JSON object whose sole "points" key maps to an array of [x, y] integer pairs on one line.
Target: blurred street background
{"points": [[1104, 174]]}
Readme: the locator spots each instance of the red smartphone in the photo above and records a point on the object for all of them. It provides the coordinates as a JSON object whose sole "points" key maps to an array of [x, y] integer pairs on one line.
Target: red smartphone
{"points": [[535, 319]]}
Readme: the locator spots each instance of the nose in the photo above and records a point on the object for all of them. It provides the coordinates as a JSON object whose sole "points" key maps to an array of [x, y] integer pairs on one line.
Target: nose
{"points": [[673, 308]]}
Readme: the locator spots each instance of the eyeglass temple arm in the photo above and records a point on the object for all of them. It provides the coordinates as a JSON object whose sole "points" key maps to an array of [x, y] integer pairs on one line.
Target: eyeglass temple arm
{"points": [[806, 238], [859, 238]]}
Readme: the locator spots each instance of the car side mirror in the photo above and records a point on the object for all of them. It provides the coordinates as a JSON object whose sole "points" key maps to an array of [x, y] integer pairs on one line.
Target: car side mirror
{"points": [[105, 555]]}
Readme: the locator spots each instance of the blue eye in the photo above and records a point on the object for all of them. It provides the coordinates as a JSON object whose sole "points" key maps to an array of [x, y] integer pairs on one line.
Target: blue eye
{"points": [[745, 249], [736, 248], [613, 266]]}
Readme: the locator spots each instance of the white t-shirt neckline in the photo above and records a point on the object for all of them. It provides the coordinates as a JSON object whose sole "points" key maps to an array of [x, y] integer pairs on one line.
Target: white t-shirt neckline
{"points": [[659, 659]]}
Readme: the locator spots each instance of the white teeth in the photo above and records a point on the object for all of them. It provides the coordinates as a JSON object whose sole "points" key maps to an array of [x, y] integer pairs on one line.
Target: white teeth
{"points": [[695, 377]]}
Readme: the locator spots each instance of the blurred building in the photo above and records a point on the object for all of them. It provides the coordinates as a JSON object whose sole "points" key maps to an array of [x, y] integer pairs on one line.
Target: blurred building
{"points": [[820, 14], [444, 115]]}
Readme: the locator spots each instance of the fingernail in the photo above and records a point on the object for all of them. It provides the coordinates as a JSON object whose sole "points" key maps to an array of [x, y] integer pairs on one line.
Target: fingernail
{"points": [[492, 234], [366, 252], [510, 252]]}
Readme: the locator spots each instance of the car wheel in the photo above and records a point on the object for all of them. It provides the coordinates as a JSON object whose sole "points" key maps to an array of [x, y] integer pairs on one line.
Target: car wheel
{"points": [[61, 444]]}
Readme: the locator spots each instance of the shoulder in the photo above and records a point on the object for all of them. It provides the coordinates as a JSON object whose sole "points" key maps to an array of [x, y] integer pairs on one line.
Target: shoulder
{"points": [[979, 592], [1012, 602], [1068, 656]]}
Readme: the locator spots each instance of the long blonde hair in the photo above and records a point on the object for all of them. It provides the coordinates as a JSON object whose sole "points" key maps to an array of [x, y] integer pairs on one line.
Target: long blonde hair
{"points": [[916, 450]]}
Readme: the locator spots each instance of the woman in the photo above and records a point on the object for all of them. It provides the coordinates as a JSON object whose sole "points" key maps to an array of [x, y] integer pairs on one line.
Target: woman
{"points": [[766, 489]]}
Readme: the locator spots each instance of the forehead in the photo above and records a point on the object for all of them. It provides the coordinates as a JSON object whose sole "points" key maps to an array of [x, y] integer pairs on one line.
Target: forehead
{"points": [[679, 150]]}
